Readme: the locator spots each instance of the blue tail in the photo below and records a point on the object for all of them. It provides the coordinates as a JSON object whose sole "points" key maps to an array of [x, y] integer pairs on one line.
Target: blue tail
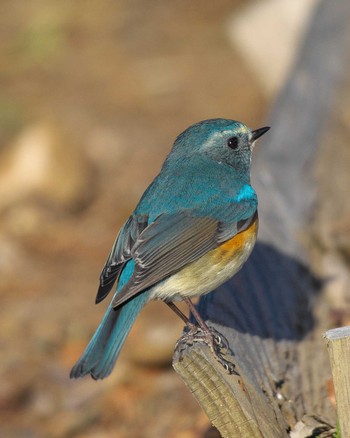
{"points": [[102, 352]]}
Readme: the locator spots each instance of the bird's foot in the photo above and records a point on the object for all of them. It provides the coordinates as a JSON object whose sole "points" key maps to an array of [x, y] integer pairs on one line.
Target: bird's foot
{"points": [[219, 346], [216, 342], [202, 333]]}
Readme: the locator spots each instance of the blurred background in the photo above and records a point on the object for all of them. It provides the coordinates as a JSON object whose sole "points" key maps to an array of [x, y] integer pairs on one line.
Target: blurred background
{"points": [[92, 95]]}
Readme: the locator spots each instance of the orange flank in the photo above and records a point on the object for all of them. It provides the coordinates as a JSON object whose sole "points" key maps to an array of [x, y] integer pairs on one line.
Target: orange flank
{"points": [[211, 270], [236, 245]]}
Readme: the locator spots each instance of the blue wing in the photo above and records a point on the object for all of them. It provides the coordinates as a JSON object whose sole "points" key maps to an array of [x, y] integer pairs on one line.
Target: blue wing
{"points": [[173, 241], [120, 254]]}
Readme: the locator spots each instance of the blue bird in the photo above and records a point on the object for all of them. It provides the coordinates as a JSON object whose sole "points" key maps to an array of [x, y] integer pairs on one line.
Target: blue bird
{"points": [[192, 230]]}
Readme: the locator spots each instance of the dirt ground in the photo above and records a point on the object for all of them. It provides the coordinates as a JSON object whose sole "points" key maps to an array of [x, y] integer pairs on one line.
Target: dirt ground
{"points": [[92, 97]]}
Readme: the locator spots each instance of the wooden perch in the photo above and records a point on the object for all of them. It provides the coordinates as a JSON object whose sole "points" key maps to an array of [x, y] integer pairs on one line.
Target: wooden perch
{"points": [[268, 311], [228, 402], [338, 344]]}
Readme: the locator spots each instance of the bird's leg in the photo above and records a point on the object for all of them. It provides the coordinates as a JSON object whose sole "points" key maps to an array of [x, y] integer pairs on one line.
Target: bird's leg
{"points": [[215, 339], [213, 336], [197, 316], [178, 312], [202, 333]]}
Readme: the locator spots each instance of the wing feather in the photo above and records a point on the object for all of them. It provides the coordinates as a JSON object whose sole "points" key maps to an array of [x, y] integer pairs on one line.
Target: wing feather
{"points": [[120, 254], [173, 241]]}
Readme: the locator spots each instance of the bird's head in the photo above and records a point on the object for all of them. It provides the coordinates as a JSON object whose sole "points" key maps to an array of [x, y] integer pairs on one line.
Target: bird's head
{"points": [[224, 141]]}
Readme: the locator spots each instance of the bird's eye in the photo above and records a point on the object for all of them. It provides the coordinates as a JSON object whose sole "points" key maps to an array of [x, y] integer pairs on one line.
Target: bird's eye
{"points": [[233, 142]]}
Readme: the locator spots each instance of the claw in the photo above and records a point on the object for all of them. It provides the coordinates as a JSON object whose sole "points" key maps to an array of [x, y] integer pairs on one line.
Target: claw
{"points": [[229, 367], [220, 341]]}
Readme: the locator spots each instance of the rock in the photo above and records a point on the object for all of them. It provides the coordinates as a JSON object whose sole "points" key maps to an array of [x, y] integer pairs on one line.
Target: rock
{"points": [[42, 164], [267, 35]]}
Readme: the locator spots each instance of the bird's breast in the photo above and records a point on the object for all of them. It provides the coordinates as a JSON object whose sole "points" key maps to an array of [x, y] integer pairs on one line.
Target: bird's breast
{"points": [[211, 270]]}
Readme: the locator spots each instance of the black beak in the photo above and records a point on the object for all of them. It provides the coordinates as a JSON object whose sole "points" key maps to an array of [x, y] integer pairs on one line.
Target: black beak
{"points": [[259, 132]]}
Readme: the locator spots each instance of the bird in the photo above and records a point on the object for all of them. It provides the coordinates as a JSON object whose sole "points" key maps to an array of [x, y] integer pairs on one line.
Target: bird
{"points": [[193, 229]]}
